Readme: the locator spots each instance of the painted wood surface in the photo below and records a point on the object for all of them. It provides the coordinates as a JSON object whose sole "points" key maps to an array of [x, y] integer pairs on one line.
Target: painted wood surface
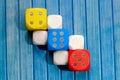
{"points": [[97, 20], [3, 48], [26, 47], [12, 36]]}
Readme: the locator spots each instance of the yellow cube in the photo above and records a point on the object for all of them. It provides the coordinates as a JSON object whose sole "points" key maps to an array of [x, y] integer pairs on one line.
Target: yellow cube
{"points": [[36, 19]]}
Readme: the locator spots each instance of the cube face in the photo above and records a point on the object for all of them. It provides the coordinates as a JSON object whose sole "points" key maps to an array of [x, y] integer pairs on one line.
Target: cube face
{"points": [[76, 42], [39, 37], [36, 19], [58, 39], [60, 57], [79, 60], [54, 22]]}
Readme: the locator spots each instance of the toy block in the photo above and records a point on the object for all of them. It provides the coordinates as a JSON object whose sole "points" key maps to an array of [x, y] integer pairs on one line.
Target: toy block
{"points": [[39, 37], [79, 60], [36, 19], [54, 22], [60, 57], [58, 39], [76, 42]]}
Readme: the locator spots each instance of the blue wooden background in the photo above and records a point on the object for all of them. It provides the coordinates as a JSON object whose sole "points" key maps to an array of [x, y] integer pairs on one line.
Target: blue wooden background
{"points": [[97, 20]]}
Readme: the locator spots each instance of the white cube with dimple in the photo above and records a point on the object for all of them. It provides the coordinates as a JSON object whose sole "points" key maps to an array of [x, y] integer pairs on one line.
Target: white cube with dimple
{"points": [[40, 37], [54, 22], [60, 57], [76, 42]]}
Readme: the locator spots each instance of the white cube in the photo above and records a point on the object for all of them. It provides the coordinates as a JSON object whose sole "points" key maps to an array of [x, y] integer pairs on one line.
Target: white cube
{"points": [[60, 57], [39, 37], [54, 22], [76, 42]]}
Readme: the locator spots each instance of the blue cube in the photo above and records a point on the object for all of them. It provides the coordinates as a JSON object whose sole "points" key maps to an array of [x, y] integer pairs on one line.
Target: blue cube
{"points": [[58, 39]]}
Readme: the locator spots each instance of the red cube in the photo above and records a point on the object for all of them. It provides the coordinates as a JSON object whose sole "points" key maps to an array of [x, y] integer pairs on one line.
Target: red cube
{"points": [[79, 60]]}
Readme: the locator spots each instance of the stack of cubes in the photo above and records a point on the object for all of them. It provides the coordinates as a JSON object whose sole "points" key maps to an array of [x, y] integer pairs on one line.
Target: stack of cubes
{"points": [[68, 49]]}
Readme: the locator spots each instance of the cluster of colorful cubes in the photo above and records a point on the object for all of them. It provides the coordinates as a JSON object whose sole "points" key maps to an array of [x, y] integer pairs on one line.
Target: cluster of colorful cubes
{"points": [[68, 49]]}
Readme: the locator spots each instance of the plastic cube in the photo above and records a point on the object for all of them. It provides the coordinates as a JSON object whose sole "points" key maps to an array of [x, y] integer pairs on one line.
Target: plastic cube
{"points": [[58, 39], [36, 19], [54, 22], [76, 42], [60, 57], [39, 37], [79, 60]]}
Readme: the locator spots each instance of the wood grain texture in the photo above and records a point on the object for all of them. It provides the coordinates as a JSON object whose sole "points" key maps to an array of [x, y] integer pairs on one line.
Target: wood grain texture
{"points": [[2, 41], [93, 39], [12, 35], [116, 20], [52, 8], [40, 60], [106, 37], [26, 47], [97, 20]]}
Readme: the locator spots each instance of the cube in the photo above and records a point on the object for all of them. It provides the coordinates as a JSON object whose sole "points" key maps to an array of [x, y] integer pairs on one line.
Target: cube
{"points": [[79, 60], [76, 42], [39, 37], [36, 19], [60, 57], [54, 22], [58, 39]]}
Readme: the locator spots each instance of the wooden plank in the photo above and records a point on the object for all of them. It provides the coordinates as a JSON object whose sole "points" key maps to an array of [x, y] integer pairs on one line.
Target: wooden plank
{"points": [[39, 3], [26, 48], [40, 64], [66, 9], [52, 7], [2, 41], [54, 72], [80, 29], [116, 19], [107, 48], [93, 39], [12, 25]]}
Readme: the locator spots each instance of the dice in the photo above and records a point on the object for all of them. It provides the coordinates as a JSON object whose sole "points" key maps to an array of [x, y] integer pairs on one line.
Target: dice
{"points": [[60, 57], [39, 37], [36, 19], [54, 22], [68, 50], [58, 39], [79, 60], [76, 42]]}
